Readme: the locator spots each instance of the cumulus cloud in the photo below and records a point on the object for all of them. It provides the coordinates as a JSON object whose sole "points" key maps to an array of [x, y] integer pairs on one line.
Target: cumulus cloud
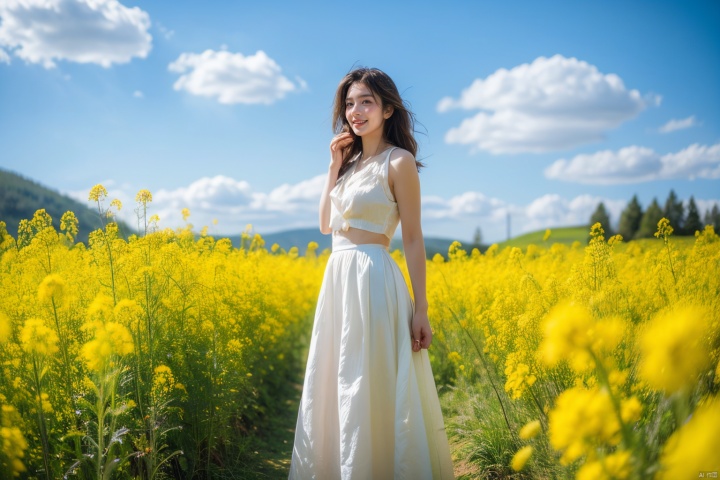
{"points": [[638, 164], [232, 77], [4, 57], [682, 124], [102, 32], [233, 203], [551, 104]]}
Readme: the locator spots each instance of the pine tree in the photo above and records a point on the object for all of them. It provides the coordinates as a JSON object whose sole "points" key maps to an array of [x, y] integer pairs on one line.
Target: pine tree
{"points": [[630, 219], [601, 215], [675, 212], [648, 224], [692, 222], [712, 217], [477, 238]]}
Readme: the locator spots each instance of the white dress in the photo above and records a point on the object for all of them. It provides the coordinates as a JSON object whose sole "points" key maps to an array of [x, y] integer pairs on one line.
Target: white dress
{"points": [[369, 407]]}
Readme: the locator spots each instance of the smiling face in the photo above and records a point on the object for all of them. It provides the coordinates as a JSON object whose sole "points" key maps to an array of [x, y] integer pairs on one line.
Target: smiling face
{"points": [[364, 111]]}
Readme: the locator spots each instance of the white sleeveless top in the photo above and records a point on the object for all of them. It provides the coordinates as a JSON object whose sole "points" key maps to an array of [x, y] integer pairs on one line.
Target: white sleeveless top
{"points": [[363, 199]]}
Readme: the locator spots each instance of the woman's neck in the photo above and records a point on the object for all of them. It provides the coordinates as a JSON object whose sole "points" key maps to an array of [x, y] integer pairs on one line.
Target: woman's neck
{"points": [[372, 146]]}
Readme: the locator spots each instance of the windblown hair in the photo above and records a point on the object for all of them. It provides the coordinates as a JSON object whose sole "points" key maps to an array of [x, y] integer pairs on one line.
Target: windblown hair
{"points": [[398, 129]]}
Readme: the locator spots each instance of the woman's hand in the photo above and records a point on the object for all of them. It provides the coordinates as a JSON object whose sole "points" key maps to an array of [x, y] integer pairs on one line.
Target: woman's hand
{"points": [[338, 144], [421, 333]]}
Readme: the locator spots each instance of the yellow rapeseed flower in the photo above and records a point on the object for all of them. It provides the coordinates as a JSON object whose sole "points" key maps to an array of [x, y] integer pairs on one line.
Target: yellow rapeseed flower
{"points": [[35, 337], [5, 328], [673, 349], [693, 448], [52, 287], [582, 418], [127, 312], [110, 339], [566, 331], [100, 309], [185, 214], [521, 457], [12, 441], [143, 197], [97, 193], [615, 466], [530, 430]]}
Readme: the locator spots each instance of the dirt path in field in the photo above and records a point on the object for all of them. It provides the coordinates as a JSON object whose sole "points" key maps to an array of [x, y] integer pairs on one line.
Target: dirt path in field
{"points": [[273, 442]]}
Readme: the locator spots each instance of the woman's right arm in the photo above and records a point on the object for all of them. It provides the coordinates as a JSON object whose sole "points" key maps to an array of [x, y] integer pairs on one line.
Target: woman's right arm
{"points": [[337, 148]]}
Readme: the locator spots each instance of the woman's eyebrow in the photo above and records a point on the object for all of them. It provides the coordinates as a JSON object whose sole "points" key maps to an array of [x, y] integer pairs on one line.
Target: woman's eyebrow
{"points": [[360, 96]]}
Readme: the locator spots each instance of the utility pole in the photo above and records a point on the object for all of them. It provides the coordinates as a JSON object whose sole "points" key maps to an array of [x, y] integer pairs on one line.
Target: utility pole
{"points": [[508, 225]]}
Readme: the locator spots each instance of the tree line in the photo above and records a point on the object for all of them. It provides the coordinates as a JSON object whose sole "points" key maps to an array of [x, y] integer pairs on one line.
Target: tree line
{"points": [[638, 223]]}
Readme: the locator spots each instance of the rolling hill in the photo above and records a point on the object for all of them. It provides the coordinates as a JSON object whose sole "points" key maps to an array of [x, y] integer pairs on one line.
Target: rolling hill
{"points": [[21, 197]]}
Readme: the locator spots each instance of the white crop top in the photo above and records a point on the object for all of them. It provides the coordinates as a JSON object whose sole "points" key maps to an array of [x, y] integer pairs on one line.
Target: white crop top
{"points": [[363, 199]]}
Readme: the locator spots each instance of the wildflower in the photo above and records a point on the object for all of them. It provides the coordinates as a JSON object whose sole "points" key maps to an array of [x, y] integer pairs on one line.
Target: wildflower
{"points": [[581, 418], [185, 214], [97, 193], [673, 349], [518, 380], [530, 430], [110, 339], [163, 382], [127, 312], [547, 235], [5, 328], [52, 288], [38, 338], [12, 441], [615, 466], [521, 457], [143, 197], [116, 203], [69, 224], [693, 447], [615, 239], [664, 229], [565, 332], [100, 309], [275, 247]]}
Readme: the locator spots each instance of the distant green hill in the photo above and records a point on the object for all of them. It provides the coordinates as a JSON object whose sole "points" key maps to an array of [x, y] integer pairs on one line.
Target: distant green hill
{"points": [[565, 235], [20, 198]]}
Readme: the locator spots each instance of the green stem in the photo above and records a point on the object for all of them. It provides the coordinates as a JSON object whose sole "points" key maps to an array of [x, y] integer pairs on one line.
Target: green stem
{"points": [[41, 419]]}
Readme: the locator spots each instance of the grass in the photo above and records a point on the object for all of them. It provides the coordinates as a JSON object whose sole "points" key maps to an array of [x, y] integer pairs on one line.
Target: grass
{"points": [[569, 235], [565, 235]]}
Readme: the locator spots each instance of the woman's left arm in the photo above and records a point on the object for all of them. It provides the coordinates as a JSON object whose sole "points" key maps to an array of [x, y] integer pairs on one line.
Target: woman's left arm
{"points": [[405, 183]]}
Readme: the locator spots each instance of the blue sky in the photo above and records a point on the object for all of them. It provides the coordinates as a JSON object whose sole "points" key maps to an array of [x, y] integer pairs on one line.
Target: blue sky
{"points": [[538, 110]]}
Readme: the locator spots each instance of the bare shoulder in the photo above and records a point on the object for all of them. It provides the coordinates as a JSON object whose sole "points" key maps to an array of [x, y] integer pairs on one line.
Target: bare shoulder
{"points": [[401, 162], [402, 168]]}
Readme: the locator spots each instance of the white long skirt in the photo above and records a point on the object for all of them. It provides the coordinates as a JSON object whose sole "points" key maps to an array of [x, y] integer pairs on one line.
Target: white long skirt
{"points": [[369, 407]]}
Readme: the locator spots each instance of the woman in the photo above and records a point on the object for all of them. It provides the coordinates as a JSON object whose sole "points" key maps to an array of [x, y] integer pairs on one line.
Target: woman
{"points": [[369, 407]]}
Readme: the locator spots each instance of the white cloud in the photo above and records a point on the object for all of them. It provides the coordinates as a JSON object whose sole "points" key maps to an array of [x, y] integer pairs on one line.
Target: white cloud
{"points": [[232, 77], [551, 104], [103, 32], [638, 164], [4, 57], [167, 33], [234, 203], [682, 124]]}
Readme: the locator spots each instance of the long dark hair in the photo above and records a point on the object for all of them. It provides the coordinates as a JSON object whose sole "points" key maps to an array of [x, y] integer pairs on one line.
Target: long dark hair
{"points": [[398, 129]]}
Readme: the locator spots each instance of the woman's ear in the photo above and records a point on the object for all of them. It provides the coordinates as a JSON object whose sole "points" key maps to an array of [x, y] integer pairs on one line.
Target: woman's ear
{"points": [[389, 110]]}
